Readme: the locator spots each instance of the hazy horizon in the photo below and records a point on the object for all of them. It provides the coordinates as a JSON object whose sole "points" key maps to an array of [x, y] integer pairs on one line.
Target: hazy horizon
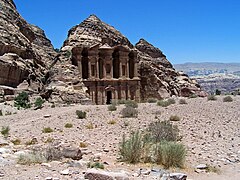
{"points": [[186, 31]]}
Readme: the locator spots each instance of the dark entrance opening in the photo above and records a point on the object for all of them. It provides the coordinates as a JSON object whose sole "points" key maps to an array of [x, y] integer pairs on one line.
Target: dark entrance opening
{"points": [[109, 97]]}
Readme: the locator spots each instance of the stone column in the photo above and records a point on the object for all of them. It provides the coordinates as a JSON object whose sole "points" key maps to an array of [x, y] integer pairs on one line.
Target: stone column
{"points": [[89, 69], [127, 68], [120, 68], [97, 68], [104, 69], [135, 70], [111, 65]]}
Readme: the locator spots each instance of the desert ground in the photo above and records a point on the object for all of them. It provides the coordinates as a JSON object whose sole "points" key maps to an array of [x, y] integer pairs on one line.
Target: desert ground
{"points": [[210, 131]]}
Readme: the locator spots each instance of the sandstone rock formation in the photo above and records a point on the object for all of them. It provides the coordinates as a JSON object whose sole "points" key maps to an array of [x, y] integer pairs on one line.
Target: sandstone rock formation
{"points": [[25, 51], [158, 77]]}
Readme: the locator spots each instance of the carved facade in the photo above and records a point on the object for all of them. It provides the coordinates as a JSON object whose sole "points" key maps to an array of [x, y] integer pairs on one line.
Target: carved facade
{"points": [[108, 72]]}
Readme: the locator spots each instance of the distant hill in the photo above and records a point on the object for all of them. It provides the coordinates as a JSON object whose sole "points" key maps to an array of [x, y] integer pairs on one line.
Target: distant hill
{"points": [[212, 76], [207, 68]]}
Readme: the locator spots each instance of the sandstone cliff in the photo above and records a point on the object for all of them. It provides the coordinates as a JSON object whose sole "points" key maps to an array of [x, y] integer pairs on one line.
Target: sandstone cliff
{"points": [[24, 48], [158, 77]]}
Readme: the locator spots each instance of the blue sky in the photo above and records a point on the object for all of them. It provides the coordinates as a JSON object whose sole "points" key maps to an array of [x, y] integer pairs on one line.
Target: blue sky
{"points": [[185, 30]]}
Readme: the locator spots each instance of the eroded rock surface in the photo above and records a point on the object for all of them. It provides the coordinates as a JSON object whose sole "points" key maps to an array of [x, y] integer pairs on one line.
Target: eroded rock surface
{"points": [[24, 48]]}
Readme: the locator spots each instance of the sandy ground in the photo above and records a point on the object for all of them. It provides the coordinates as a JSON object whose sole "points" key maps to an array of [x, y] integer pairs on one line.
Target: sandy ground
{"points": [[210, 131]]}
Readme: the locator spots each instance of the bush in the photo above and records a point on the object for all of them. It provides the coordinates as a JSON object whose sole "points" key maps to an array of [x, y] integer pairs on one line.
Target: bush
{"points": [[227, 99], [47, 130], [38, 103], [5, 131], [211, 98], [31, 158], [171, 101], [182, 101], [81, 114], [170, 154], [193, 96], [68, 125], [90, 126], [31, 142], [163, 103], [22, 100], [129, 112], [96, 165], [174, 118], [112, 122], [130, 103], [163, 131], [218, 92], [82, 145], [131, 149], [68, 54], [145, 147], [112, 107], [152, 100], [16, 141], [122, 101]]}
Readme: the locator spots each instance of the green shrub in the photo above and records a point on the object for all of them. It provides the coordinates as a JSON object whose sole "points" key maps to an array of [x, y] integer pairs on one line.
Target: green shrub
{"points": [[218, 92], [83, 145], [130, 103], [38, 103], [163, 131], [227, 99], [193, 96], [5, 131], [152, 100], [47, 130], [112, 122], [81, 114], [211, 98], [96, 165], [213, 169], [174, 118], [22, 101], [89, 125], [16, 141], [122, 101], [68, 54], [163, 103], [170, 154], [31, 142], [68, 125], [112, 107], [182, 101], [171, 101], [129, 112], [31, 158], [131, 149]]}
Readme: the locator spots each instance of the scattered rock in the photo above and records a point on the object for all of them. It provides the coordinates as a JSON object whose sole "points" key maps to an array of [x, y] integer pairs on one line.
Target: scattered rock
{"points": [[178, 176], [201, 166], [65, 172], [47, 116], [93, 174]]}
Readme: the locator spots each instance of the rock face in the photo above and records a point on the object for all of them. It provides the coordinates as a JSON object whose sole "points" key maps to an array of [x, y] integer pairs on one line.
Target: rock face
{"points": [[158, 77], [92, 31], [24, 48]]}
